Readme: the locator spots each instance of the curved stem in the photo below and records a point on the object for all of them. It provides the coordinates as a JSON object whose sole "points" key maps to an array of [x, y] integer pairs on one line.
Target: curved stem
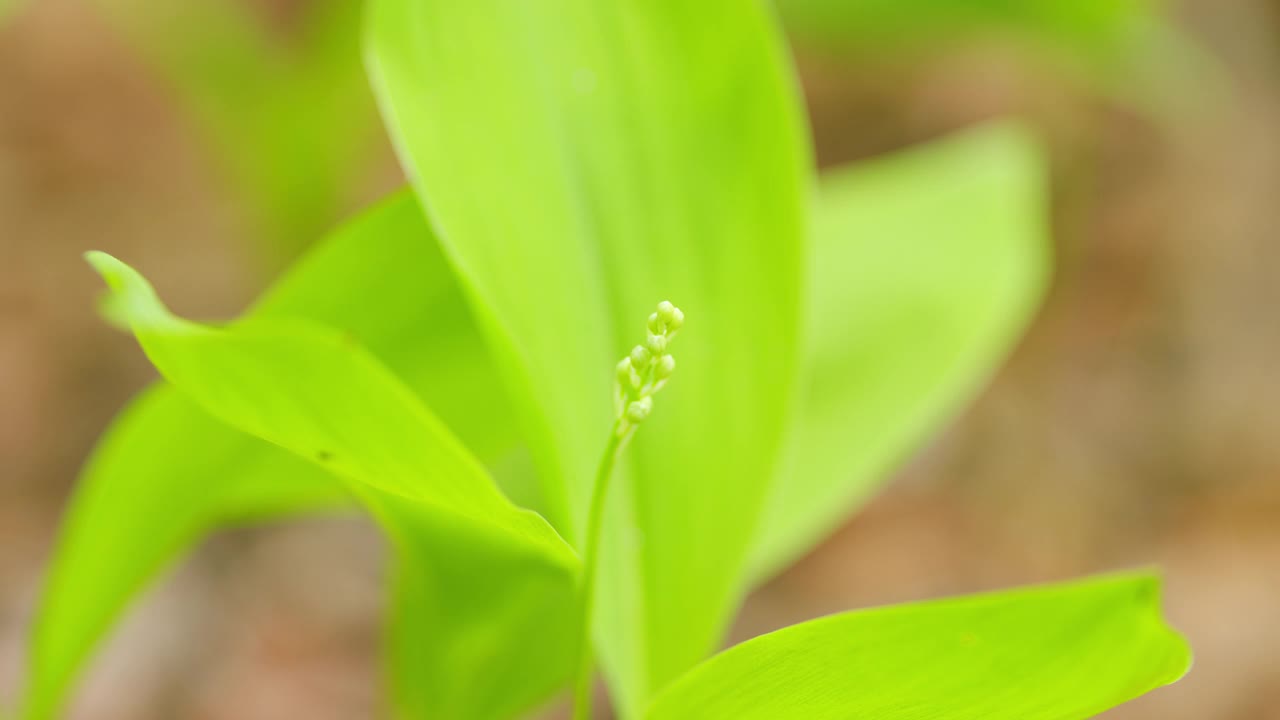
{"points": [[591, 555]]}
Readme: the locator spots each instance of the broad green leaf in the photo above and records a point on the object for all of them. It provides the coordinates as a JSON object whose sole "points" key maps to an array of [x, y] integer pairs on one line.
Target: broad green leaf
{"points": [[582, 161], [287, 116], [1058, 652], [926, 266], [381, 279], [482, 579]]}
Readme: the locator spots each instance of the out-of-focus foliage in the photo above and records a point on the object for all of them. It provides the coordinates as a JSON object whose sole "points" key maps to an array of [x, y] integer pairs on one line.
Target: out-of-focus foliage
{"points": [[1083, 26], [1052, 653], [1128, 49], [8, 8], [924, 269], [287, 112]]}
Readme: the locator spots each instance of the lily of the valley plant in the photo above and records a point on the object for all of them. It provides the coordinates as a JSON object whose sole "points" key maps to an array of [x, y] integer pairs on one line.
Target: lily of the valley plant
{"points": [[449, 363]]}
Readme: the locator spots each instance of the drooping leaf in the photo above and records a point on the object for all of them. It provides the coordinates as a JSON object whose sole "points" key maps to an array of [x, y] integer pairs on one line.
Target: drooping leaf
{"points": [[582, 161], [316, 393], [167, 474], [1058, 652], [926, 266]]}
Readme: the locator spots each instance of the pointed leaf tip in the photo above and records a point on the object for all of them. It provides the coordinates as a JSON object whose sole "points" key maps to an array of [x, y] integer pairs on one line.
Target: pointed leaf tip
{"points": [[112, 270], [1052, 652]]}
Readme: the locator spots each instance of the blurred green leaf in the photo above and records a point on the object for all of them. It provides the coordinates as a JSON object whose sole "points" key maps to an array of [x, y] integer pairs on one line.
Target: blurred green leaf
{"points": [[7, 9], [287, 113], [926, 267], [382, 280], [485, 580], [1088, 25], [164, 476], [582, 161], [1128, 49], [1058, 652]]}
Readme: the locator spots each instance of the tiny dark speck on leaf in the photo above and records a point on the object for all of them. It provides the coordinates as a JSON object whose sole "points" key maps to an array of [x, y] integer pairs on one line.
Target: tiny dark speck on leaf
{"points": [[324, 455]]}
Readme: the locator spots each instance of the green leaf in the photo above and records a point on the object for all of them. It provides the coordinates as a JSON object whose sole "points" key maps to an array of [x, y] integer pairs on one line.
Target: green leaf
{"points": [[926, 267], [482, 578], [1058, 652], [1128, 49], [1082, 25], [167, 474], [148, 493], [479, 630], [9, 8], [582, 161]]}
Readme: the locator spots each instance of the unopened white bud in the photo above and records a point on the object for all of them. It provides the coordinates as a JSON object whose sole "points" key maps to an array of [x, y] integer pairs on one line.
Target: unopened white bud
{"points": [[640, 357], [666, 366], [655, 325], [657, 344], [646, 369], [676, 321], [639, 410]]}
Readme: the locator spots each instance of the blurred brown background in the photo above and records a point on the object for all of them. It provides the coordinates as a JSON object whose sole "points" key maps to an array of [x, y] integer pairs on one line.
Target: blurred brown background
{"points": [[1138, 422]]}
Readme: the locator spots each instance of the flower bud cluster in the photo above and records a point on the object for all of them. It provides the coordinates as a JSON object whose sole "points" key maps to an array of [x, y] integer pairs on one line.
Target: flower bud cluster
{"points": [[642, 373]]}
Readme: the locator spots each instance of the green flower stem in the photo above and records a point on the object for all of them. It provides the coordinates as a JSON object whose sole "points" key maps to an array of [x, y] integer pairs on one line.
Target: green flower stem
{"points": [[638, 377], [591, 559]]}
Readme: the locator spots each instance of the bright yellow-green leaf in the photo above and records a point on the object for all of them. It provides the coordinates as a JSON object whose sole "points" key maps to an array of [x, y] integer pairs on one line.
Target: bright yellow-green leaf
{"points": [[583, 160], [926, 266], [480, 630], [462, 544], [1059, 652], [162, 478], [382, 280]]}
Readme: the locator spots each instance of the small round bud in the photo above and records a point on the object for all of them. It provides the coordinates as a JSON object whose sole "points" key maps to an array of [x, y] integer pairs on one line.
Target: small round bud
{"points": [[657, 344], [676, 321], [640, 357], [666, 366], [655, 325], [639, 410], [666, 311], [623, 371]]}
